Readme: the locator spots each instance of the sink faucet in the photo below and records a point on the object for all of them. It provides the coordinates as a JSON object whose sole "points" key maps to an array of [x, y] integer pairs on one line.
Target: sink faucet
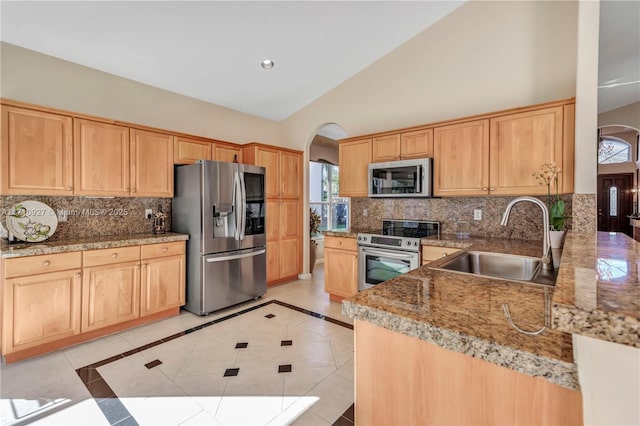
{"points": [[547, 261]]}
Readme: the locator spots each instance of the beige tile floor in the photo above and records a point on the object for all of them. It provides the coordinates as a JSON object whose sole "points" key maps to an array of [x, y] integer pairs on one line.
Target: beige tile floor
{"points": [[188, 387]]}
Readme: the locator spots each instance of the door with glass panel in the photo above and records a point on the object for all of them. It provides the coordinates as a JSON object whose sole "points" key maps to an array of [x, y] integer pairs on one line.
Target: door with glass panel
{"points": [[324, 182]]}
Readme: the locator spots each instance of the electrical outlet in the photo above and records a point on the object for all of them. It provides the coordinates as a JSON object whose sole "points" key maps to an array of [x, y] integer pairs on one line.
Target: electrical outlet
{"points": [[148, 213], [62, 215], [365, 212], [477, 214]]}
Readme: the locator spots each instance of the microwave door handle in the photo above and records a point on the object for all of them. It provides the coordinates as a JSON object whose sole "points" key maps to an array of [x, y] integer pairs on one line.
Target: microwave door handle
{"points": [[243, 206], [419, 179]]}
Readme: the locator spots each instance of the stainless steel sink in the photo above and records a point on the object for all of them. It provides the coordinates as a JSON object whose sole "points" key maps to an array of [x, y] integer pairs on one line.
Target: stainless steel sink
{"points": [[497, 265]]}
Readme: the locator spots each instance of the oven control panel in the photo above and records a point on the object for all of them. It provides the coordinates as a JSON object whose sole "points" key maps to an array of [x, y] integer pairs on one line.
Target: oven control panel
{"points": [[402, 243]]}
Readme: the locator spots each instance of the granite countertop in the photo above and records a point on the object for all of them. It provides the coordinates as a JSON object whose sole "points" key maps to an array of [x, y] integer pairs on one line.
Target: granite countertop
{"points": [[597, 292], [464, 313], [88, 243]]}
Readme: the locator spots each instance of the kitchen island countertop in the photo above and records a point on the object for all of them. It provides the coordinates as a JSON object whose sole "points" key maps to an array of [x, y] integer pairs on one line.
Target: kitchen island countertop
{"points": [[86, 243]]}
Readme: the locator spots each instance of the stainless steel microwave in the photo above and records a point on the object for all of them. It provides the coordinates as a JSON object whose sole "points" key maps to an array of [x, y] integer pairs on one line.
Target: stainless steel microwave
{"points": [[404, 178]]}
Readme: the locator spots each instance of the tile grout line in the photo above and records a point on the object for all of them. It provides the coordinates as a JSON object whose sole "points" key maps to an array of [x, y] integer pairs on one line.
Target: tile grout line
{"points": [[90, 376]]}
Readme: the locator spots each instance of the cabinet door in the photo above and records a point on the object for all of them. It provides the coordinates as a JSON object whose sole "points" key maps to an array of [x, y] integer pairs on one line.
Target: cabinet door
{"points": [[290, 238], [273, 239], [354, 159], [520, 144], [187, 151], [110, 295], [40, 309], [386, 148], [291, 174], [418, 144], [341, 272], [162, 284], [101, 153], [461, 159], [37, 152], [227, 153], [151, 164], [270, 160]]}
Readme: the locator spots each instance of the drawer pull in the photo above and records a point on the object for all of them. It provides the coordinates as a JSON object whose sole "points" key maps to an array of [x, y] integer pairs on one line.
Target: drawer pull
{"points": [[114, 255], [165, 249], [77, 275], [46, 263], [339, 243]]}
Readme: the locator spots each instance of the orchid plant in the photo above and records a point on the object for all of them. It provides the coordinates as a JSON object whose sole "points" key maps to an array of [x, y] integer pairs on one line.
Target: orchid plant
{"points": [[548, 175]]}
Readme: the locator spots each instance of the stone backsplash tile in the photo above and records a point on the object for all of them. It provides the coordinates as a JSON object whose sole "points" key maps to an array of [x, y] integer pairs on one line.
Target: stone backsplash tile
{"points": [[585, 208], [525, 221], [95, 217]]}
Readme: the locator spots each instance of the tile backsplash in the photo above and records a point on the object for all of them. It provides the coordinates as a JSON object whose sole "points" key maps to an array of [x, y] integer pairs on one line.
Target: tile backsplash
{"points": [[93, 217], [525, 221]]}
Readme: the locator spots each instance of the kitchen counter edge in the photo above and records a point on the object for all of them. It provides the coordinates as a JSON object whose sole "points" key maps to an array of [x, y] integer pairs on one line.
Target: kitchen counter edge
{"points": [[90, 243]]}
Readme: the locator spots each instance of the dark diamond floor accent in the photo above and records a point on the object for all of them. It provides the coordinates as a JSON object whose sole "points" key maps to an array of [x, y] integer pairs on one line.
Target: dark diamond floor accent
{"points": [[154, 363], [286, 342], [231, 372], [286, 368], [100, 390], [242, 345]]}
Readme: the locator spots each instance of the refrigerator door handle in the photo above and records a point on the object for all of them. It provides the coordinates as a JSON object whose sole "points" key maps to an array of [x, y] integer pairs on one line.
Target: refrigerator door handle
{"points": [[237, 195], [243, 206], [235, 256]]}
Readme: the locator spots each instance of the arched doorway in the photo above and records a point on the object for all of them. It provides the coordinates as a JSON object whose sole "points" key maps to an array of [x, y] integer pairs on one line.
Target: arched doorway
{"points": [[322, 184], [618, 177]]}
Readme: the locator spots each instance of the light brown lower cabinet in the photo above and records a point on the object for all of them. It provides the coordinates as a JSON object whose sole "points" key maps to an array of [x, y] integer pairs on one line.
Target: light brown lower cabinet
{"points": [[110, 294], [163, 278], [340, 267], [41, 308], [53, 301], [402, 380], [431, 253]]}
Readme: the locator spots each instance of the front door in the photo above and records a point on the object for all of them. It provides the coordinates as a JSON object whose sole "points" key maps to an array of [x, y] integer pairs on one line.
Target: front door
{"points": [[614, 202]]}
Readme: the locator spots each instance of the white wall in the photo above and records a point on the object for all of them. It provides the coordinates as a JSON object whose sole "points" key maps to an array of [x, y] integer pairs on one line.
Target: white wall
{"points": [[628, 115], [484, 56], [35, 78], [610, 381]]}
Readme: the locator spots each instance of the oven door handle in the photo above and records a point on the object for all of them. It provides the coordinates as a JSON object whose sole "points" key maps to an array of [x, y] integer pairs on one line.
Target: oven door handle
{"points": [[394, 255]]}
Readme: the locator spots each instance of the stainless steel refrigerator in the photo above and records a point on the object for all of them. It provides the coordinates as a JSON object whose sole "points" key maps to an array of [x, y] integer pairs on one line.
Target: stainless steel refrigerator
{"points": [[222, 207]]}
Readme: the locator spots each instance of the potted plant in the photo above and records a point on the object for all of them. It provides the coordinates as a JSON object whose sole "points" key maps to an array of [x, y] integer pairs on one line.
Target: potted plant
{"points": [[314, 229], [548, 175]]}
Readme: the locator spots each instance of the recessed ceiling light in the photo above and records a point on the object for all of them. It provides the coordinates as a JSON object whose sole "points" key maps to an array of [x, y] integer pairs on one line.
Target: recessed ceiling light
{"points": [[267, 64]]}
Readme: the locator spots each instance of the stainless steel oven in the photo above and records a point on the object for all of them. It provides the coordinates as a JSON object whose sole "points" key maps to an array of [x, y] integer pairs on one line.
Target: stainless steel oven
{"points": [[395, 252]]}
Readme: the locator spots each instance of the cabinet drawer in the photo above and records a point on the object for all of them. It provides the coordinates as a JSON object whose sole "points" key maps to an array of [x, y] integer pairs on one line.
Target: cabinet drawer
{"points": [[344, 243], [32, 265], [165, 249], [430, 253], [112, 255]]}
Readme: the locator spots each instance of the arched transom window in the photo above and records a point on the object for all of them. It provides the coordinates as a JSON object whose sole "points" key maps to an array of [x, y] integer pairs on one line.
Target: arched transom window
{"points": [[612, 150]]}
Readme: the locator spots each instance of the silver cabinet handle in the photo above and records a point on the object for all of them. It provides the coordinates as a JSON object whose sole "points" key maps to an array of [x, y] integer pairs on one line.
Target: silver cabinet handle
{"points": [[114, 255], [46, 263], [485, 188], [492, 189], [77, 275], [164, 250]]}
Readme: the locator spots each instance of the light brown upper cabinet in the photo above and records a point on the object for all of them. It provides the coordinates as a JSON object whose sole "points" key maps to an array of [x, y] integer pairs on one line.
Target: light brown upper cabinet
{"points": [[499, 156], [354, 159], [404, 146], [519, 145], [113, 160], [461, 159], [187, 151], [224, 152], [37, 152], [283, 187], [101, 158], [151, 164]]}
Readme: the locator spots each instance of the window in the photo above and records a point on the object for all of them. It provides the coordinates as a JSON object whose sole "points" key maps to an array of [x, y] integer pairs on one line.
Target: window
{"points": [[613, 201], [324, 199], [612, 150]]}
